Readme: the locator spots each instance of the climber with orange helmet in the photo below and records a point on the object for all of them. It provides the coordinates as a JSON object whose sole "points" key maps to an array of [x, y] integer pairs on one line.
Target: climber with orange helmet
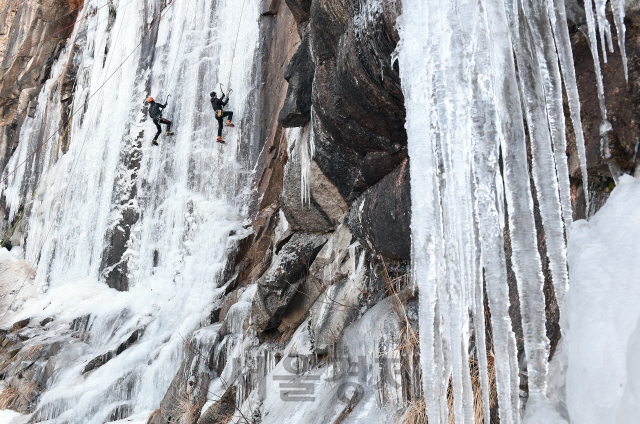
{"points": [[155, 112]]}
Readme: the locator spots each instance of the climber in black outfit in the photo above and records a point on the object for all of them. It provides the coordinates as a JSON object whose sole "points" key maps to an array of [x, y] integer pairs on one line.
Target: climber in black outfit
{"points": [[218, 104], [155, 112]]}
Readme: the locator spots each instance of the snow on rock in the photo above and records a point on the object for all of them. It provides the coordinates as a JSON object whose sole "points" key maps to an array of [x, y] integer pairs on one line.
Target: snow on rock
{"points": [[16, 283], [629, 409], [541, 411], [7, 416], [356, 388], [604, 310]]}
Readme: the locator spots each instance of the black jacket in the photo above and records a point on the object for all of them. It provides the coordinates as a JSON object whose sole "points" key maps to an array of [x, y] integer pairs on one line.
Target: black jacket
{"points": [[155, 110], [218, 103]]}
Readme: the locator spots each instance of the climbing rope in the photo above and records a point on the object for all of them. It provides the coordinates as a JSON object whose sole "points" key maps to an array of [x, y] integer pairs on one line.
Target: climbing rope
{"points": [[177, 56], [52, 35], [81, 148], [235, 44], [82, 106]]}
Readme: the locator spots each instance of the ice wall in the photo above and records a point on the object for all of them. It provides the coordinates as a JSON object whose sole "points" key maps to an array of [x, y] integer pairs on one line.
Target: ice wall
{"points": [[473, 73], [187, 193]]}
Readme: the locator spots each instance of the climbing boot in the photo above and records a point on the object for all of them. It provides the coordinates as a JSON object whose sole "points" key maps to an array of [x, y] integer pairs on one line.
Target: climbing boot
{"points": [[220, 140], [169, 133], [229, 124], [154, 142]]}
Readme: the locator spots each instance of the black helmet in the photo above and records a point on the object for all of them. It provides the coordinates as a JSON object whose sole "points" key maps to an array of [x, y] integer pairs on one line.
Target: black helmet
{"points": [[213, 94]]}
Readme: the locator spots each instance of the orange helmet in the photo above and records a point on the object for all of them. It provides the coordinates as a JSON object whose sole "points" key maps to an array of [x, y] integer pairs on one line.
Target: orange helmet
{"points": [[150, 99]]}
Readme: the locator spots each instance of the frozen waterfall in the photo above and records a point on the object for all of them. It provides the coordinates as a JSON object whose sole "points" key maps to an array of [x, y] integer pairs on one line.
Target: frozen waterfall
{"points": [[185, 196]]}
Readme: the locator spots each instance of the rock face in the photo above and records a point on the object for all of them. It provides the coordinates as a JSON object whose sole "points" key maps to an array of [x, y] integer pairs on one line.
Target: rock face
{"points": [[100, 360], [357, 100], [623, 108], [278, 286], [188, 391], [26, 370], [300, 9], [331, 265], [222, 410], [622, 100], [296, 111], [381, 217], [324, 206]]}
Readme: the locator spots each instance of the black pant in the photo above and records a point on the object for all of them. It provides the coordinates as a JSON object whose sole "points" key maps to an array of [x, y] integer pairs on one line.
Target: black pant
{"points": [[221, 120], [159, 121]]}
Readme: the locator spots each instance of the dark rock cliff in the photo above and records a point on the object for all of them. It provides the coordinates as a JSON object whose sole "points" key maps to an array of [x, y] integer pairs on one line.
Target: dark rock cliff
{"points": [[623, 106]]}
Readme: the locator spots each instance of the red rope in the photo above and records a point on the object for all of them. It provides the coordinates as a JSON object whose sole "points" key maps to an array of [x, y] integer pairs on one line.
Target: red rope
{"points": [[90, 97]]}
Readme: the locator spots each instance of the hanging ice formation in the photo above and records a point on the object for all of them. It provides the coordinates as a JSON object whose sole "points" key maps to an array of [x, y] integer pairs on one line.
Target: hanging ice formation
{"points": [[473, 72], [184, 195]]}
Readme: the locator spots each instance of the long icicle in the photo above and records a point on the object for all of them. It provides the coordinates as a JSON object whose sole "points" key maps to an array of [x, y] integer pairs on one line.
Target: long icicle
{"points": [[526, 260], [593, 44], [425, 223], [457, 202], [542, 85], [617, 6], [558, 17]]}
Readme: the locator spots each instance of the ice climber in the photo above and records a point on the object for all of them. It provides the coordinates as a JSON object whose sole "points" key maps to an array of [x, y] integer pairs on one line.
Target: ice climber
{"points": [[155, 112], [218, 104]]}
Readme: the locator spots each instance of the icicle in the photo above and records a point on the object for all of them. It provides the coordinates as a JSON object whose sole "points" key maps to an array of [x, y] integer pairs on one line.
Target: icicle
{"points": [[593, 44], [490, 197], [455, 150], [525, 257], [618, 16], [306, 151], [416, 68], [547, 62], [603, 27], [557, 15], [305, 167], [541, 84], [605, 126]]}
